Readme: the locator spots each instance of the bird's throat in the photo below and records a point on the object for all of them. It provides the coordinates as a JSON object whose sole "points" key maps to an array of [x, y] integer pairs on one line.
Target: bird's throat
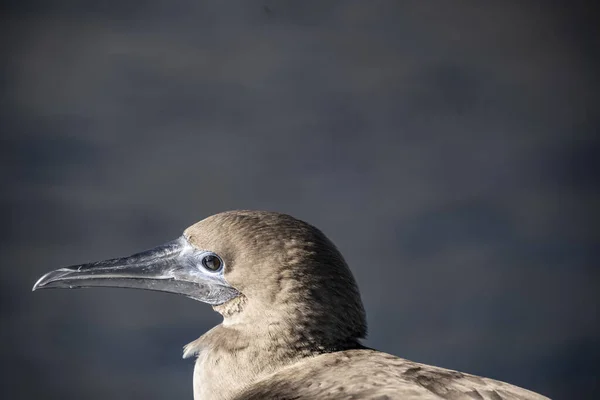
{"points": [[231, 307], [229, 359]]}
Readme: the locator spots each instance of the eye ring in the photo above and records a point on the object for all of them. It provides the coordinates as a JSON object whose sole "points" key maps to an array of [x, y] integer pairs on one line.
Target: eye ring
{"points": [[212, 262]]}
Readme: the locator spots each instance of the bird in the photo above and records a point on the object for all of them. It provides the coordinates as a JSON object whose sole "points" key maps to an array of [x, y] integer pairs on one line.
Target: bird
{"points": [[293, 318]]}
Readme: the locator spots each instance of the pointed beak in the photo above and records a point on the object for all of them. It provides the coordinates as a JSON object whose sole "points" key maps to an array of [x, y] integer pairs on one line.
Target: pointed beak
{"points": [[175, 267]]}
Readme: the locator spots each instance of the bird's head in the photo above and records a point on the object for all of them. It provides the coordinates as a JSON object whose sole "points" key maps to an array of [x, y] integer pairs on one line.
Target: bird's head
{"points": [[254, 267]]}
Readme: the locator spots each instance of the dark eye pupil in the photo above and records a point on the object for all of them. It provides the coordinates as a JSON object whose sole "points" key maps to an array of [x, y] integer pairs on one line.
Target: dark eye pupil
{"points": [[211, 262]]}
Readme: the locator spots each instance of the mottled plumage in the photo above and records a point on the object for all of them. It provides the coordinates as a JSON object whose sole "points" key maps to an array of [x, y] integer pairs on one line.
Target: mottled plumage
{"points": [[371, 374], [293, 317]]}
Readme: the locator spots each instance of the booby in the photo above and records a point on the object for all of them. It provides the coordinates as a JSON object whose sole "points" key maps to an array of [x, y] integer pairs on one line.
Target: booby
{"points": [[292, 315]]}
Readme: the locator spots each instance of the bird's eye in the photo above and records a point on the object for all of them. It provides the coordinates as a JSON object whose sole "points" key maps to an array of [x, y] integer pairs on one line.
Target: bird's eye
{"points": [[211, 262]]}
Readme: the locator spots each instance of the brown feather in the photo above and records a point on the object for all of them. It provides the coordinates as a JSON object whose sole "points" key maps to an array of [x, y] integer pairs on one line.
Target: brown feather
{"points": [[294, 333]]}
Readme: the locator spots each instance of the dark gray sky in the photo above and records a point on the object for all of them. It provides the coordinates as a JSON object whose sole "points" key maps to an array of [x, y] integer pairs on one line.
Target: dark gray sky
{"points": [[449, 149]]}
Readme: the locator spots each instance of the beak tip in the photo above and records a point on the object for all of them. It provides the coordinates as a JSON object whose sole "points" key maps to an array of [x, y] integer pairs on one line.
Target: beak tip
{"points": [[50, 277], [39, 284]]}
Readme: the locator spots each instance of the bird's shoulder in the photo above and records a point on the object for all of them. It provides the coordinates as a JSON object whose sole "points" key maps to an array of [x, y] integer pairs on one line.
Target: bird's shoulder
{"points": [[370, 374]]}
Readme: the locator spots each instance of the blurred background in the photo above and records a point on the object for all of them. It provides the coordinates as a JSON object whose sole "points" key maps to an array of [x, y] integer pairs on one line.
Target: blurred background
{"points": [[449, 149]]}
